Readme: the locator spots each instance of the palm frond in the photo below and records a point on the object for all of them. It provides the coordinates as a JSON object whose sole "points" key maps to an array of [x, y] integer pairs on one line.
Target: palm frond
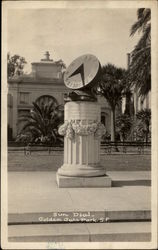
{"points": [[112, 84], [144, 16], [140, 66], [42, 121]]}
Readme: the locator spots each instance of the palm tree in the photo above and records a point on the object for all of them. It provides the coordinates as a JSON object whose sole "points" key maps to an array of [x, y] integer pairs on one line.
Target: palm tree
{"points": [[140, 66], [111, 87], [42, 122]]}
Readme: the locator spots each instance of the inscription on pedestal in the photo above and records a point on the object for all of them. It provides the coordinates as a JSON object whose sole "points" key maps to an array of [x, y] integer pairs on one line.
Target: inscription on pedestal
{"points": [[82, 111]]}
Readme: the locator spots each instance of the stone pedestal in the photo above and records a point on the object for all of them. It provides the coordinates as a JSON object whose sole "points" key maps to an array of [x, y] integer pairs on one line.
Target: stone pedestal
{"points": [[82, 150]]}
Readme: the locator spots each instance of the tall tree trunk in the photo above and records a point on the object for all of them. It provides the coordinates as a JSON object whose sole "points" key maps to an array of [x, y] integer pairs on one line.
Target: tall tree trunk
{"points": [[113, 129], [128, 103], [146, 136], [113, 124]]}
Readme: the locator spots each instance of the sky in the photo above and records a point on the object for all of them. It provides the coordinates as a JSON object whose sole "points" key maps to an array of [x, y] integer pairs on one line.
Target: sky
{"points": [[69, 33]]}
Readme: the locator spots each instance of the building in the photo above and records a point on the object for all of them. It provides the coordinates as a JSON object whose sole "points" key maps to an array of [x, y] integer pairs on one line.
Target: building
{"points": [[44, 83]]}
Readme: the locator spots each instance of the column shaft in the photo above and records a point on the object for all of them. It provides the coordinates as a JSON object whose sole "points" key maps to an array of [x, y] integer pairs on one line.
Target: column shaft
{"points": [[82, 153]]}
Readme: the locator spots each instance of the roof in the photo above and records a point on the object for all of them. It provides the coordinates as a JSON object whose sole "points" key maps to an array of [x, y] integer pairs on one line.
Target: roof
{"points": [[33, 79]]}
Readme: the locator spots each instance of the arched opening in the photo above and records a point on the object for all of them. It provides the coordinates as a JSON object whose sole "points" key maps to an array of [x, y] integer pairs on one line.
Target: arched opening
{"points": [[46, 99]]}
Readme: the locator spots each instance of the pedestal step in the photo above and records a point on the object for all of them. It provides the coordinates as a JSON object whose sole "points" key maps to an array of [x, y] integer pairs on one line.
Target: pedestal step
{"points": [[68, 182], [54, 235]]}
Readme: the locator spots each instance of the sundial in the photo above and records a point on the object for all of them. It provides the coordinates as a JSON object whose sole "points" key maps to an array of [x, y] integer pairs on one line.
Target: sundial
{"points": [[82, 127], [81, 75]]}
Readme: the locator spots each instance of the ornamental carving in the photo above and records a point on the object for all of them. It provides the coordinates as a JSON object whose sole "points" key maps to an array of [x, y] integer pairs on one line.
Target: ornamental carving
{"points": [[77, 127]]}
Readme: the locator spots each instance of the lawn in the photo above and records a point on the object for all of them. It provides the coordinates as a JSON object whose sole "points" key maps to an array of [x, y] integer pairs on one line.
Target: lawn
{"points": [[41, 161]]}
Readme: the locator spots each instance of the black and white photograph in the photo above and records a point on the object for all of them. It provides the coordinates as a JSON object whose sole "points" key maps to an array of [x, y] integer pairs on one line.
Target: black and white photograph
{"points": [[79, 124]]}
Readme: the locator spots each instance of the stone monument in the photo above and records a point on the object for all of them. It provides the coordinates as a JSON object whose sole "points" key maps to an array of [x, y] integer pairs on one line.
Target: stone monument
{"points": [[82, 129]]}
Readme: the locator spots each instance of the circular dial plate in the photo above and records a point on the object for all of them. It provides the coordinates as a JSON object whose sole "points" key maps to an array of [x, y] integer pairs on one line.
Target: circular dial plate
{"points": [[81, 71]]}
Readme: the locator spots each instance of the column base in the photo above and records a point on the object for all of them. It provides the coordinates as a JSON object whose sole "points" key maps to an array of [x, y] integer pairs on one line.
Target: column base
{"points": [[82, 170], [73, 181]]}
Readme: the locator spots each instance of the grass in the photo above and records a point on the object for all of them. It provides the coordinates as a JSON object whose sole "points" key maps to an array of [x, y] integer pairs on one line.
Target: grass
{"points": [[41, 161]]}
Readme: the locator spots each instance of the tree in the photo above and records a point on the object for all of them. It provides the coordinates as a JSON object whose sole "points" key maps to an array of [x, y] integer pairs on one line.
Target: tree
{"points": [[42, 122], [140, 66], [111, 86], [124, 125], [15, 65], [143, 126]]}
